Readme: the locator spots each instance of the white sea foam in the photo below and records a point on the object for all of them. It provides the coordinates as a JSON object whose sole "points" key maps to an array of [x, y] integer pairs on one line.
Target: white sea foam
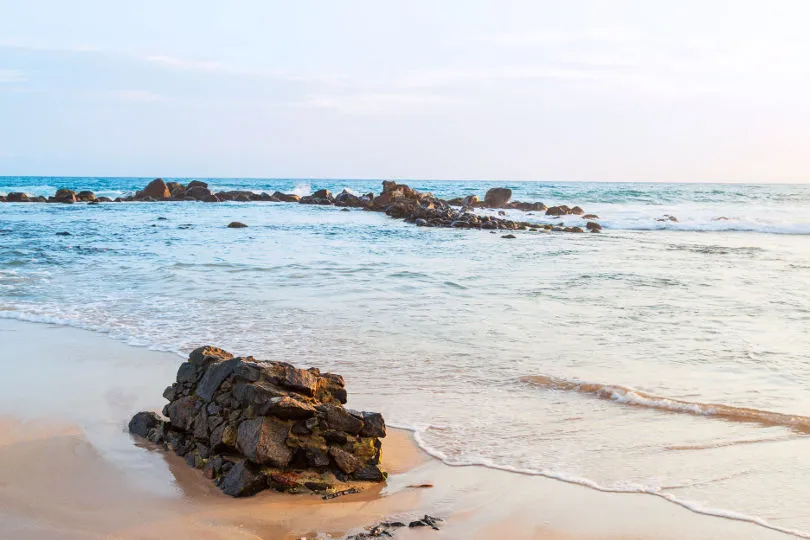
{"points": [[302, 190], [625, 488]]}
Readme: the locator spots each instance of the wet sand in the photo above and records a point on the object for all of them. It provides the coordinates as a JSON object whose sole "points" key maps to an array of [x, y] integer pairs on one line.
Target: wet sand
{"points": [[68, 469]]}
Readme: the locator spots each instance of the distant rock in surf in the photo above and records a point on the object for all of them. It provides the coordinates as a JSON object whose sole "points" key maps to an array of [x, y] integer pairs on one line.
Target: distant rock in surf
{"points": [[236, 225], [497, 197], [17, 196], [251, 426], [156, 189], [64, 196]]}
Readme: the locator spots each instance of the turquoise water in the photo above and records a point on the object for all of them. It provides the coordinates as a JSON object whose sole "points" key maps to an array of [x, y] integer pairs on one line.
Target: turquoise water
{"points": [[436, 327]]}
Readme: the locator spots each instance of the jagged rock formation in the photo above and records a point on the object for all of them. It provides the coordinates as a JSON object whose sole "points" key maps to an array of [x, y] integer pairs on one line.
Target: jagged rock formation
{"points": [[264, 425]]}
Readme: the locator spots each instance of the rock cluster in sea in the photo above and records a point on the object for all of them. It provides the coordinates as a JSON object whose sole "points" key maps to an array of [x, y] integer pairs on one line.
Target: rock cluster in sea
{"points": [[396, 200], [253, 425]]}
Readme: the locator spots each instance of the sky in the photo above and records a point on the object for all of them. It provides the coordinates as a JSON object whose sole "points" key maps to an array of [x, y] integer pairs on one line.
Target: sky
{"points": [[597, 90]]}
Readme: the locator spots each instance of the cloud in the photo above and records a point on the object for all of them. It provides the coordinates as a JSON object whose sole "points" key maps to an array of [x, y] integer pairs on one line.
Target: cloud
{"points": [[379, 102], [12, 76], [138, 96], [42, 47], [171, 62]]}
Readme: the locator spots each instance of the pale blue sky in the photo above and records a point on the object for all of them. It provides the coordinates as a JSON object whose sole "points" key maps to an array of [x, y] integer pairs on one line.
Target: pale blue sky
{"points": [[565, 90]]}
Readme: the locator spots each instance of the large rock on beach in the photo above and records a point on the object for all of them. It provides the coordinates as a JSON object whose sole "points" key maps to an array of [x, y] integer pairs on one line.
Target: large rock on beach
{"points": [[251, 425], [497, 197]]}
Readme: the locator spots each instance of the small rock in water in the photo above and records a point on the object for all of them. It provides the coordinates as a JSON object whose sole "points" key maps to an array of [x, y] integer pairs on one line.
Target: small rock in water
{"points": [[161, 218], [236, 225], [509, 236], [426, 521], [63, 233]]}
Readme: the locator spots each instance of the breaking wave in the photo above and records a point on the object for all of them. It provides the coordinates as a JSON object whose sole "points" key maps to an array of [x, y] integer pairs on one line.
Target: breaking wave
{"points": [[636, 398]]}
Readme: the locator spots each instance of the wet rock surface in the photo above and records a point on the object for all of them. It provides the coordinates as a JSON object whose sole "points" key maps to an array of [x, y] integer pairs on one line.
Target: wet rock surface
{"points": [[251, 426]]}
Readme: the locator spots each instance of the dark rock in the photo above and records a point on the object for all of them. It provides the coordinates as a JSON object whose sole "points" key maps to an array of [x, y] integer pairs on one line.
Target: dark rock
{"points": [[143, 422], [345, 461], [214, 376], [285, 197], [340, 419], [317, 457], [508, 236], [285, 424], [189, 373], [426, 521], [86, 196], [263, 441], [63, 233], [593, 226], [236, 225], [213, 468], [198, 192], [556, 211], [240, 196], [335, 437], [16, 196], [156, 189], [182, 412], [577, 211], [373, 425], [197, 183], [286, 480], [248, 371], [287, 408], [202, 356], [667, 217], [65, 196], [300, 380], [242, 480], [497, 197], [590, 216], [341, 493], [369, 473]]}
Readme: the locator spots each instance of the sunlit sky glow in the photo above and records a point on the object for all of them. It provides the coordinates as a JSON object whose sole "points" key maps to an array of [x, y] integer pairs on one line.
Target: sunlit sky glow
{"points": [[536, 90]]}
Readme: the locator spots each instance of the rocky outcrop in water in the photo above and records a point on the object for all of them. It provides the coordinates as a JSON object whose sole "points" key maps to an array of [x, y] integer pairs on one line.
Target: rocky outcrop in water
{"points": [[397, 200], [254, 425]]}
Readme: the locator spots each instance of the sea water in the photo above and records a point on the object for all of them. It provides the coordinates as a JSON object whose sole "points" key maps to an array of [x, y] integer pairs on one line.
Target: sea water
{"points": [[665, 357]]}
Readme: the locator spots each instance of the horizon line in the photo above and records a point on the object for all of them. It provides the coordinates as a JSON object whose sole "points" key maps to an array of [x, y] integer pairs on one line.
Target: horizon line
{"points": [[382, 178]]}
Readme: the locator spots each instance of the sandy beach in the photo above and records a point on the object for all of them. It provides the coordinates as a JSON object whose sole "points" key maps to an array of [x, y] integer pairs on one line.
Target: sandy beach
{"points": [[70, 469]]}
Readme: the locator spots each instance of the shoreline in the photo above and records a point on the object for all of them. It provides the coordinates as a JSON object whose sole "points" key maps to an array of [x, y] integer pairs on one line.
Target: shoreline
{"points": [[77, 449]]}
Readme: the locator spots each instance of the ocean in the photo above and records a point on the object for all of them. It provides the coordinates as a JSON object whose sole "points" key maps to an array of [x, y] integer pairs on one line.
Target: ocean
{"points": [[662, 357]]}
